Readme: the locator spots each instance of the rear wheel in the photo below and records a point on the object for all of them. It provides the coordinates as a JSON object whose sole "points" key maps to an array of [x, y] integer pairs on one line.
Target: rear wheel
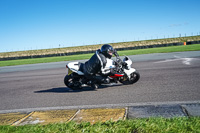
{"points": [[72, 82]]}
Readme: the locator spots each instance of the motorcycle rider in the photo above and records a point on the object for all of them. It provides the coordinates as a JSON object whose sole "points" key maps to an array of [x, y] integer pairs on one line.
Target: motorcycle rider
{"points": [[96, 63]]}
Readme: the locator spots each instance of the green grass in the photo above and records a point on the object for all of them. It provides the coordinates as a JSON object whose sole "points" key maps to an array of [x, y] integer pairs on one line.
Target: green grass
{"points": [[44, 60], [194, 47], [147, 125]]}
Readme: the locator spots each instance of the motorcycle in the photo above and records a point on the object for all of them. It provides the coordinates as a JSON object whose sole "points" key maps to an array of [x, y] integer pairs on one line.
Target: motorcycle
{"points": [[118, 71]]}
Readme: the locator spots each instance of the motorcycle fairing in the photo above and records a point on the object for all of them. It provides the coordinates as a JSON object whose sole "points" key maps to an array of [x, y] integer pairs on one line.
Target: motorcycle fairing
{"points": [[129, 71], [116, 75], [128, 61], [74, 67]]}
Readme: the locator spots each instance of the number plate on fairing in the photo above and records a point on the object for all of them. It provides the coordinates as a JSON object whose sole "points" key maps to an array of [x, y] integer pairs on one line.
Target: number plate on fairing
{"points": [[69, 72]]}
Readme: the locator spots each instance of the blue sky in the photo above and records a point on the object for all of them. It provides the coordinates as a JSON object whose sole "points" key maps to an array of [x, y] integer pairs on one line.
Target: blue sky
{"points": [[41, 24]]}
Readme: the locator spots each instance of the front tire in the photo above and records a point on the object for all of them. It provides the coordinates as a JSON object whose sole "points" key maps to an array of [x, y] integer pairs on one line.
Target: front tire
{"points": [[135, 76], [72, 83]]}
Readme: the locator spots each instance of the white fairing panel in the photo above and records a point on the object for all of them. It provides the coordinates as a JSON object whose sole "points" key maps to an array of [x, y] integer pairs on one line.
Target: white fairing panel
{"points": [[128, 72], [130, 69], [129, 62], [75, 67]]}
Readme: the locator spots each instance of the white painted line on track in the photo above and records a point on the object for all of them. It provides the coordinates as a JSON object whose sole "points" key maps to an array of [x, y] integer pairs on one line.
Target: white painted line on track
{"points": [[185, 61]]}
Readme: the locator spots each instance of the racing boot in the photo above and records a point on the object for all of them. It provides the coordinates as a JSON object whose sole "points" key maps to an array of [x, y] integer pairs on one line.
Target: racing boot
{"points": [[106, 80], [97, 80], [94, 86]]}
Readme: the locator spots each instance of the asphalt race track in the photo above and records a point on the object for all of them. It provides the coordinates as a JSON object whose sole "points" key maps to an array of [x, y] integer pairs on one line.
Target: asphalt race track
{"points": [[164, 78]]}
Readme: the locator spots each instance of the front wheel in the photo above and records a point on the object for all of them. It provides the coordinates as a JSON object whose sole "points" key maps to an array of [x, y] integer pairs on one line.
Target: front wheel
{"points": [[72, 83], [134, 77]]}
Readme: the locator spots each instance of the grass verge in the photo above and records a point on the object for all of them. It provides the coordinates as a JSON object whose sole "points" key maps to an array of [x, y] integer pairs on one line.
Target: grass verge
{"points": [[145, 125], [194, 47]]}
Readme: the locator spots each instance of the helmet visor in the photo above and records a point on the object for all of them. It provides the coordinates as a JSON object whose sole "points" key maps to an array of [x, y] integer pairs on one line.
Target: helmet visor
{"points": [[110, 52]]}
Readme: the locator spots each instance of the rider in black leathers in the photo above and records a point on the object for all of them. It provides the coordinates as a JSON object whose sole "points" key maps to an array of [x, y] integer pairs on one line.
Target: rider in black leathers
{"points": [[96, 63]]}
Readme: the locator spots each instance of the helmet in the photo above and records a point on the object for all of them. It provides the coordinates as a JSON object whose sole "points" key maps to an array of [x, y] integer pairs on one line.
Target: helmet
{"points": [[107, 50]]}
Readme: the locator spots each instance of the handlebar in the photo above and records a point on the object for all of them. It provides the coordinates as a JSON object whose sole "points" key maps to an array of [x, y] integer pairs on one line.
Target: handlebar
{"points": [[115, 53]]}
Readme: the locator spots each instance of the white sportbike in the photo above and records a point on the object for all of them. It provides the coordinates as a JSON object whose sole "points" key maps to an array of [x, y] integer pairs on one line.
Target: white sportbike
{"points": [[117, 71]]}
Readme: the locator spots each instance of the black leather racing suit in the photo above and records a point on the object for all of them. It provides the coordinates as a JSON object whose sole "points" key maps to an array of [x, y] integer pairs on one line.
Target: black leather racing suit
{"points": [[94, 66]]}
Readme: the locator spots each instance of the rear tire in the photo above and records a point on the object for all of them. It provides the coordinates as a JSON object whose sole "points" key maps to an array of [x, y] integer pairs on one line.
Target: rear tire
{"points": [[72, 82]]}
